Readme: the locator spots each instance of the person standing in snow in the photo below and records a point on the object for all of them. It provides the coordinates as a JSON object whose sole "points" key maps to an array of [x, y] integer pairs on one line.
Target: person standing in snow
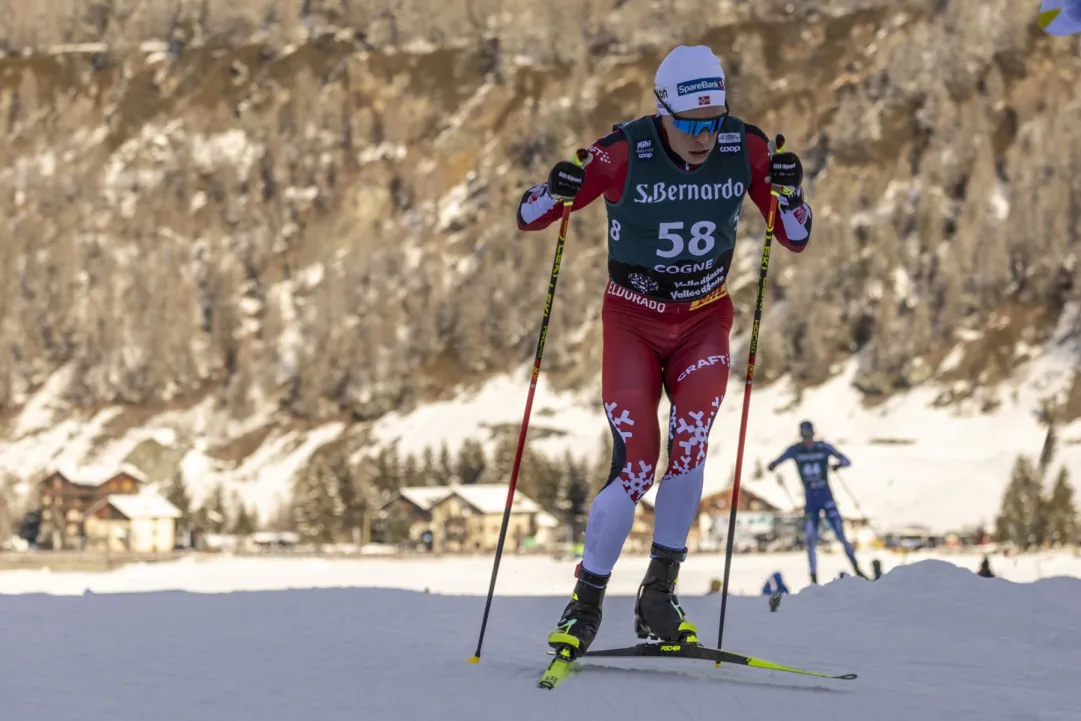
{"points": [[774, 588], [812, 460], [673, 185]]}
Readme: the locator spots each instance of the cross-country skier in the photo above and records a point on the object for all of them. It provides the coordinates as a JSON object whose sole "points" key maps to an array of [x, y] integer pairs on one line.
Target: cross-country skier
{"points": [[673, 185], [812, 460]]}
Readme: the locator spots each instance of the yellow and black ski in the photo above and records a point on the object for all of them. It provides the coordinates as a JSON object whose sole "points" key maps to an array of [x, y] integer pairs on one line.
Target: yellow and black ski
{"points": [[697, 651], [559, 667]]}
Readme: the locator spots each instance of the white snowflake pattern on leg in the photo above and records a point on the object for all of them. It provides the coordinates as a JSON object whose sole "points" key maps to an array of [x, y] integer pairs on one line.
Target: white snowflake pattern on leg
{"points": [[617, 422], [695, 445], [637, 484]]}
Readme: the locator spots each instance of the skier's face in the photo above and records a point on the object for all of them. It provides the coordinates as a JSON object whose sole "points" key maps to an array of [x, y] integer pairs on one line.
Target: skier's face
{"points": [[692, 148]]}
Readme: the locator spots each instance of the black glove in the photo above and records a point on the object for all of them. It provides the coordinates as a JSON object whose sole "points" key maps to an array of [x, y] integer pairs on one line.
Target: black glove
{"points": [[785, 169], [836, 467], [771, 466], [565, 180]]}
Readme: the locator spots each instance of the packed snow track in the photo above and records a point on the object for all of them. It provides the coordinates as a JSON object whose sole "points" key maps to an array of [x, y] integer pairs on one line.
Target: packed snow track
{"points": [[929, 641]]}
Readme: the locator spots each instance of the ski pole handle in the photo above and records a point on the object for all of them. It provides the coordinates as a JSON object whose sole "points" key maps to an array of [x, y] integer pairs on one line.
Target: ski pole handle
{"points": [[775, 146], [582, 158]]}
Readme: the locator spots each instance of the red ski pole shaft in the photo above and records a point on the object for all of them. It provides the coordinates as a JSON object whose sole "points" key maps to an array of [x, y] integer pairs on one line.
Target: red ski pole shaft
{"points": [[751, 356], [581, 159]]}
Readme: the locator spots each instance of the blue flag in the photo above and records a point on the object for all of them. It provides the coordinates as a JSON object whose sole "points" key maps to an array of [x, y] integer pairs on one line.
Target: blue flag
{"points": [[1060, 17]]}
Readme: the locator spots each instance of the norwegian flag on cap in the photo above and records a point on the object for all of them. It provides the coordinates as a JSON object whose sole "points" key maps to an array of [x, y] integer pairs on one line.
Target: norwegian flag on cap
{"points": [[703, 100]]}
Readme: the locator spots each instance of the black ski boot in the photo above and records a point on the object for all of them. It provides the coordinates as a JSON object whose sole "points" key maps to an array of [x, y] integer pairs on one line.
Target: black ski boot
{"points": [[657, 613], [582, 617]]}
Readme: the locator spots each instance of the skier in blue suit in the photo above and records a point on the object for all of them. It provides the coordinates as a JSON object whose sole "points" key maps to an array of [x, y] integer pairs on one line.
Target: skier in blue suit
{"points": [[812, 460]]}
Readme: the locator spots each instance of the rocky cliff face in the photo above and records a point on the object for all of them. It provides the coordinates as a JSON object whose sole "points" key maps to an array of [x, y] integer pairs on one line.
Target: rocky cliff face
{"points": [[310, 206]]}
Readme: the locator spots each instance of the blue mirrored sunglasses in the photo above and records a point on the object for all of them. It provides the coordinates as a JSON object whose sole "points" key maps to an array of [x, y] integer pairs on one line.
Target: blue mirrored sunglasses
{"points": [[693, 126]]}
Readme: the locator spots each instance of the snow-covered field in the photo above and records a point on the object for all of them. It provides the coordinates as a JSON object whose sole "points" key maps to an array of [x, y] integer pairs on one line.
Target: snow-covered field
{"points": [[929, 641], [469, 575]]}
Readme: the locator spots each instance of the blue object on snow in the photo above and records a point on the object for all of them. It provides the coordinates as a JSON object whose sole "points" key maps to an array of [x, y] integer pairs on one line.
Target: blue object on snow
{"points": [[774, 584]]}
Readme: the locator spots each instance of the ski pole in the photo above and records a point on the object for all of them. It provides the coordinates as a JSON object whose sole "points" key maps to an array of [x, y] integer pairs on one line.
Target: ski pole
{"points": [[791, 498], [775, 193], [856, 503], [581, 159]]}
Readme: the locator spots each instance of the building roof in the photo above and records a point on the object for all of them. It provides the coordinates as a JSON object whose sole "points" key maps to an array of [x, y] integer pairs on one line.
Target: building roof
{"points": [[424, 497], [547, 520], [94, 476], [485, 498], [148, 504], [771, 492], [491, 498], [765, 489]]}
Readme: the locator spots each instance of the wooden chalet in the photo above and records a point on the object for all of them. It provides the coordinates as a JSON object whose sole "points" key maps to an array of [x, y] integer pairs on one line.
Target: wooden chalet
{"points": [[468, 517], [142, 523], [66, 497], [749, 500], [411, 508]]}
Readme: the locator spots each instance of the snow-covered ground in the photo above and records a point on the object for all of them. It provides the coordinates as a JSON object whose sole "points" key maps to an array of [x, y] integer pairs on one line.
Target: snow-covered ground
{"points": [[469, 575], [928, 641]]}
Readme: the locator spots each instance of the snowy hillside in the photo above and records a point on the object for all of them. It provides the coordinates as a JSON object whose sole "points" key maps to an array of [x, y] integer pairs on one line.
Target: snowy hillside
{"points": [[928, 641], [50, 434], [913, 462]]}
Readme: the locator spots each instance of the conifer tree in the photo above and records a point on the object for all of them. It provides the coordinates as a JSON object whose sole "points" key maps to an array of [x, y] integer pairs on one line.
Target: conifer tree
{"points": [[1021, 520], [471, 462], [502, 460], [428, 474], [1062, 520], [212, 514], [577, 486], [317, 504], [176, 492], [386, 471], [445, 470], [411, 472], [244, 521]]}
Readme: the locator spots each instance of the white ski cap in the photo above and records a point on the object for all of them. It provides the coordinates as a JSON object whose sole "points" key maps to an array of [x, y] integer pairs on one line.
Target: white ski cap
{"points": [[690, 77], [1060, 17]]}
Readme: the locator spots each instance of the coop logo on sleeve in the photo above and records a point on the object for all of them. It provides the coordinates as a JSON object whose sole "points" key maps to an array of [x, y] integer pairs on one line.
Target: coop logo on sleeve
{"points": [[644, 149]]}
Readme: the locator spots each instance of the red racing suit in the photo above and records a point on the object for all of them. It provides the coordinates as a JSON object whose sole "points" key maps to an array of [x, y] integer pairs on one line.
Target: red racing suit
{"points": [[652, 344]]}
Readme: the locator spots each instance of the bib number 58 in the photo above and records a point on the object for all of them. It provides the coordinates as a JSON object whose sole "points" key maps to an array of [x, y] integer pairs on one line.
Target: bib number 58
{"points": [[700, 242]]}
